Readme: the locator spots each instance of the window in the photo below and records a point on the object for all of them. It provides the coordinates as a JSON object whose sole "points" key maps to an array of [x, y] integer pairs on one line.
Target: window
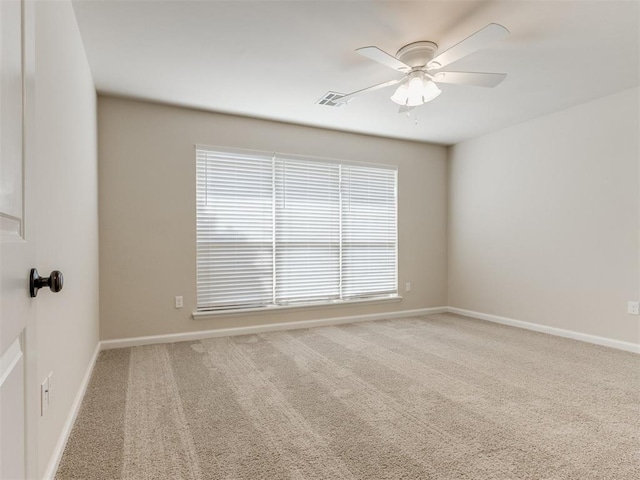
{"points": [[276, 230]]}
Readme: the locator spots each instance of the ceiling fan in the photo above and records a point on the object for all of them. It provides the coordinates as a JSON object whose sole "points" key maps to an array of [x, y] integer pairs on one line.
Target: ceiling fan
{"points": [[422, 68]]}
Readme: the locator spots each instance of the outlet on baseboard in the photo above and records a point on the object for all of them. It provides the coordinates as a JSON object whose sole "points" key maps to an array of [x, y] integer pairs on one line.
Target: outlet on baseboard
{"points": [[633, 308]]}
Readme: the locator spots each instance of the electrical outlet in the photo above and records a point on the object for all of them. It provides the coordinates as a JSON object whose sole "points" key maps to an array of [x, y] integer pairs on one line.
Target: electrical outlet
{"points": [[633, 308], [407, 287], [179, 302], [44, 396]]}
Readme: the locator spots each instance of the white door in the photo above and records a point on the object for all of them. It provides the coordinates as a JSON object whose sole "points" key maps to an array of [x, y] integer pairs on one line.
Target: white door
{"points": [[17, 245]]}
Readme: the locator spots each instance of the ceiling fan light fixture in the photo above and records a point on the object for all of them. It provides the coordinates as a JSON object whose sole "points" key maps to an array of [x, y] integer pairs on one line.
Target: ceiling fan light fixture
{"points": [[416, 83], [401, 94], [414, 100], [415, 92], [430, 91]]}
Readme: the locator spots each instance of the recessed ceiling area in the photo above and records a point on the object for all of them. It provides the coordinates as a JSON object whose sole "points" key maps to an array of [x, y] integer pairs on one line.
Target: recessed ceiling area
{"points": [[275, 60]]}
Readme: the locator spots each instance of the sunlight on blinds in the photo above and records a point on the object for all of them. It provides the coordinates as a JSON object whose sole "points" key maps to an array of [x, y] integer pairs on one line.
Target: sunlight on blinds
{"points": [[281, 230], [234, 230]]}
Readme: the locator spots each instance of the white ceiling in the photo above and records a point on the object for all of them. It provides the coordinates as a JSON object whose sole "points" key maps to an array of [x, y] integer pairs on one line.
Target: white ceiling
{"points": [[274, 60]]}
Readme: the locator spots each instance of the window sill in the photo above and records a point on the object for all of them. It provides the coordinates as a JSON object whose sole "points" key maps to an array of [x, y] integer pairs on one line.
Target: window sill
{"points": [[272, 309]]}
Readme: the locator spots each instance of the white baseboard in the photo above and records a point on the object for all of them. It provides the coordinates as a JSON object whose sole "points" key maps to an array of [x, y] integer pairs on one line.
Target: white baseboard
{"points": [[226, 332], [56, 456], [559, 332]]}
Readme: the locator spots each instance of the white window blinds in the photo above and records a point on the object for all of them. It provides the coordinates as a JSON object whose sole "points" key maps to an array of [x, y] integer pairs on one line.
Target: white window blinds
{"points": [[307, 227], [276, 230], [234, 230], [368, 231]]}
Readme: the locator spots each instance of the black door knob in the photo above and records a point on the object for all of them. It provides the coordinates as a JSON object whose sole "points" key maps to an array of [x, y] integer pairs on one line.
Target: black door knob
{"points": [[54, 281]]}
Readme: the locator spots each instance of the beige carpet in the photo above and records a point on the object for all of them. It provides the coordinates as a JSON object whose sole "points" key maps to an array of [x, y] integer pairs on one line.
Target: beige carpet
{"points": [[435, 397]]}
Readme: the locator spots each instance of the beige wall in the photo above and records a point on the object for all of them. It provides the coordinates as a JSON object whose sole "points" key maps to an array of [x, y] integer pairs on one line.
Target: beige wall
{"points": [[147, 212], [544, 219], [66, 185]]}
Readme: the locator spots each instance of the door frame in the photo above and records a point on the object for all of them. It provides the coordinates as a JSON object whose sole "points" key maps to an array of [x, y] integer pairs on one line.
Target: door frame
{"points": [[29, 334]]}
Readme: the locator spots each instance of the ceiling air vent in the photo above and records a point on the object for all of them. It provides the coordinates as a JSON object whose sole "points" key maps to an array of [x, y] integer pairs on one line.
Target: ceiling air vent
{"points": [[329, 99]]}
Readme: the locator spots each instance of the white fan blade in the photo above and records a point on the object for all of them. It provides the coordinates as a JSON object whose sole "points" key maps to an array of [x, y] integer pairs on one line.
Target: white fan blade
{"points": [[470, 78], [377, 55], [473, 43], [346, 98]]}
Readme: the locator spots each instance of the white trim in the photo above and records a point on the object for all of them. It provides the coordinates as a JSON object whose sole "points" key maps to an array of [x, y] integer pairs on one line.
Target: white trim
{"points": [[56, 456], [226, 332], [558, 332], [274, 308]]}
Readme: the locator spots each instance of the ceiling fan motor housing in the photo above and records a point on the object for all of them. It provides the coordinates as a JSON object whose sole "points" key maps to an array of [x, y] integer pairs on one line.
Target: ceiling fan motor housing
{"points": [[417, 54]]}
